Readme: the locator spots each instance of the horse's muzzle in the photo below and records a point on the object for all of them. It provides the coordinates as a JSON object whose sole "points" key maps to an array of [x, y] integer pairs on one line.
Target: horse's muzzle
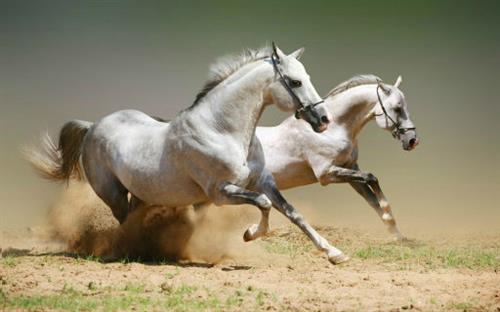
{"points": [[317, 117], [410, 140]]}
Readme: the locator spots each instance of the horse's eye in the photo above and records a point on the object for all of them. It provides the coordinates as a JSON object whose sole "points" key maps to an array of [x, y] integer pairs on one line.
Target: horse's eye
{"points": [[398, 110], [295, 83]]}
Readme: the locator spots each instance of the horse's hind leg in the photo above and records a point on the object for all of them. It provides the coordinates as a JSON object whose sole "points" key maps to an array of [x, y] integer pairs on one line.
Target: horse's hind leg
{"points": [[268, 186], [115, 195], [234, 195], [116, 198], [134, 203]]}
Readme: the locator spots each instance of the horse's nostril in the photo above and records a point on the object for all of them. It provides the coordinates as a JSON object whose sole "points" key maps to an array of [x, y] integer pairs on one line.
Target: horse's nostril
{"points": [[324, 119], [413, 141]]}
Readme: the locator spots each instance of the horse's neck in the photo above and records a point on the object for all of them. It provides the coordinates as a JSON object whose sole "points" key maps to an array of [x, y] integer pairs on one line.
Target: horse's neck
{"points": [[236, 105], [352, 108]]}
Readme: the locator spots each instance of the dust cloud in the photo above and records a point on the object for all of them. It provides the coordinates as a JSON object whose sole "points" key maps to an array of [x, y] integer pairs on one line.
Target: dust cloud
{"points": [[87, 227]]}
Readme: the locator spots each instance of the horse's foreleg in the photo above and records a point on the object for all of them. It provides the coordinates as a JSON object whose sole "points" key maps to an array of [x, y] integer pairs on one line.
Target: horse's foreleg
{"points": [[269, 188], [335, 174], [385, 214], [234, 195], [257, 230], [367, 185]]}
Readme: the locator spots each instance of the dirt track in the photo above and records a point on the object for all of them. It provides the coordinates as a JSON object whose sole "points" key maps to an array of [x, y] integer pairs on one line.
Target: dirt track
{"points": [[280, 272], [82, 261]]}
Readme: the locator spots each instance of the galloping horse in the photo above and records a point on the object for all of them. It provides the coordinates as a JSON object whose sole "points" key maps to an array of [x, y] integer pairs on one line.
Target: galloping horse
{"points": [[297, 156], [208, 154]]}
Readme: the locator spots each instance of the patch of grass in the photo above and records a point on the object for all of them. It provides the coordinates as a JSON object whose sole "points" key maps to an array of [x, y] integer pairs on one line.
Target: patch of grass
{"points": [[462, 306], [3, 298], [260, 298], [182, 298], [9, 261], [235, 300], [284, 247], [185, 290], [69, 290], [93, 258], [78, 302], [430, 256], [171, 275], [125, 260], [134, 288]]}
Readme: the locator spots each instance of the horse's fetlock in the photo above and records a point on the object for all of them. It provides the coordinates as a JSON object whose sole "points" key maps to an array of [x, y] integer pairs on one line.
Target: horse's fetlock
{"points": [[387, 217]]}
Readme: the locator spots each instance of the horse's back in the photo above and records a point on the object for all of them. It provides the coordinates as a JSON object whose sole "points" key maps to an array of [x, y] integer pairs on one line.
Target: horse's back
{"points": [[128, 143], [129, 120]]}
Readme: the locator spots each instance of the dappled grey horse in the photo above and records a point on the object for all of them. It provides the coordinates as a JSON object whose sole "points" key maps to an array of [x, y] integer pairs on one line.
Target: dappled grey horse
{"points": [[207, 154]]}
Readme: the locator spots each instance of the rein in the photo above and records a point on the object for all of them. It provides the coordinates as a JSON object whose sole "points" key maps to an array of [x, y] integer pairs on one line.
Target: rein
{"points": [[398, 130], [284, 81]]}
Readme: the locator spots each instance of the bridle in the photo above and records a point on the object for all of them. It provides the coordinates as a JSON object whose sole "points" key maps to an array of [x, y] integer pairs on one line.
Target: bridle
{"points": [[398, 130], [284, 81]]}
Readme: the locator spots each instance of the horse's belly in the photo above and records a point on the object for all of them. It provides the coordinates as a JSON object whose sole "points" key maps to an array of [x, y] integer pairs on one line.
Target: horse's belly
{"points": [[294, 174], [170, 192]]}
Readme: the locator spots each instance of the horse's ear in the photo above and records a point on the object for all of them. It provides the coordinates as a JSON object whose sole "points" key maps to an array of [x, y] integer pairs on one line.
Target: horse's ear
{"points": [[384, 88], [297, 53], [398, 81], [277, 51]]}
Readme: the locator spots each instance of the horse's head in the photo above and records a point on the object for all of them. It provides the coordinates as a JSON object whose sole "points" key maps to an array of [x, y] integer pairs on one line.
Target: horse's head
{"points": [[293, 90], [392, 114]]}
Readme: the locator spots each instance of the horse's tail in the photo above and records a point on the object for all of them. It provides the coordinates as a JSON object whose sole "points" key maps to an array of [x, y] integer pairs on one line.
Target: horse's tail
{"points": [[60, 162]]}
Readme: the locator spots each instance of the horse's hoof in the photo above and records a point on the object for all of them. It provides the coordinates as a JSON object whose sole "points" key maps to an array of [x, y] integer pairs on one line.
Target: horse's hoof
{"points": [[250, 233], [338, 259], [247, 236], [254, 232], [405, 241], [401, 239]]}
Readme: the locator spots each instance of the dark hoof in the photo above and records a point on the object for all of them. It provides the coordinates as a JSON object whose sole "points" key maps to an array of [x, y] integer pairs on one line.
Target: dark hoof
{"points": [[247, 236]]}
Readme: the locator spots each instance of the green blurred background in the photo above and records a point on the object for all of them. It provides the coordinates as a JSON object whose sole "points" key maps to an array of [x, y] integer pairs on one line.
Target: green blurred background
{"points": [[61, 60]]}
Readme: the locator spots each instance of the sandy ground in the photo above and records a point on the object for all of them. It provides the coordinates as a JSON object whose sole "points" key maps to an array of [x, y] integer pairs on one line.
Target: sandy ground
{"points": [[280, 273], [82, 260]]}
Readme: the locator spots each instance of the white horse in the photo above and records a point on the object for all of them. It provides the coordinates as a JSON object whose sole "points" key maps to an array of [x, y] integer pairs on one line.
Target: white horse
{"points": [[297, 156], [207, 154]]}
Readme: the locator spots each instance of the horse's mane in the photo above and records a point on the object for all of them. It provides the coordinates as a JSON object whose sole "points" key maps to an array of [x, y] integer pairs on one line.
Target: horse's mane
{"points": [[355, 81], [228, 65]]}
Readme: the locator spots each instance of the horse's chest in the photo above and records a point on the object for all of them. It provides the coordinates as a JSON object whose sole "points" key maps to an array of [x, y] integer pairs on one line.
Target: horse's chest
{"points": [[228, 162], [343, 153], [246, 169], [242, 174]]}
